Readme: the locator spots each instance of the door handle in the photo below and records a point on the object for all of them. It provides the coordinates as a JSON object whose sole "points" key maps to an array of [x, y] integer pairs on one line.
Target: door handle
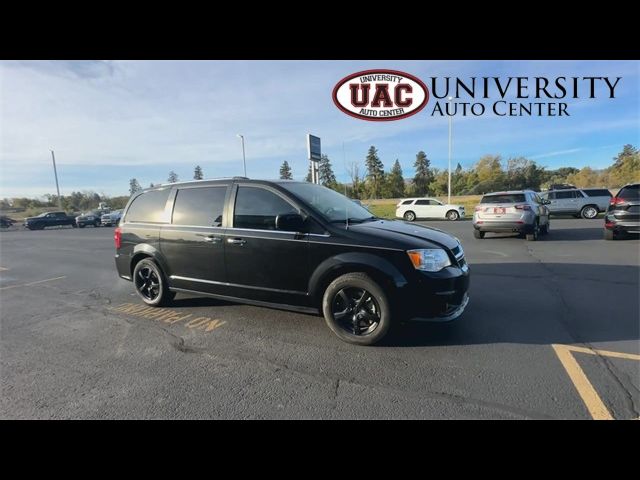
{"points": [[212, 239], [236, 241]]}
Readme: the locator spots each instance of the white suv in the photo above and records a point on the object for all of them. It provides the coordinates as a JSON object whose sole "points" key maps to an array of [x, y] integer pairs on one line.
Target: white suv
{"points": [[413, 208]]}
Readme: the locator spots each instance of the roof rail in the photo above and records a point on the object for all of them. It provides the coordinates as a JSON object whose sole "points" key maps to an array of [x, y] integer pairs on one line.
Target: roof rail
{"points": [[203, 180]]}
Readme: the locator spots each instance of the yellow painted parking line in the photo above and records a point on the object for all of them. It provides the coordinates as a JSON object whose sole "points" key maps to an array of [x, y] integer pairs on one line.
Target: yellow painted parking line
{"points": [[33, 283], [588, 394]]}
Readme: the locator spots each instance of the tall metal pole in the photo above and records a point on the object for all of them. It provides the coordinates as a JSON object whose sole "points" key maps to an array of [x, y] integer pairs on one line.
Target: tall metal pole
{"points": [[450, 124], [55, 172], [244, 159]]}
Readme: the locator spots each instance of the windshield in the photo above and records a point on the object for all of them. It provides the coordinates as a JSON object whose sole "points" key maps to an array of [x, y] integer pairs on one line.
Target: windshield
{"points": [[333, 206]]}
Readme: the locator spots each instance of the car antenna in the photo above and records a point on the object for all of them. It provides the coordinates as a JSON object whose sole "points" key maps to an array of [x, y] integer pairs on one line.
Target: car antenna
{"points": [[346, 223]]}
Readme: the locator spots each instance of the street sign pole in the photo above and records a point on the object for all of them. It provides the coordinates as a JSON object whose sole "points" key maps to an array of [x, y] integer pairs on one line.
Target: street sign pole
{"points": [[55, 172]]}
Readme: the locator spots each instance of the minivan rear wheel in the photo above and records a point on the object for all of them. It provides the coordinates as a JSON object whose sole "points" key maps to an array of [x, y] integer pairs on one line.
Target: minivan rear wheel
{"points": [[150, 283], [478, 234], [357, 309], [409, 216]]}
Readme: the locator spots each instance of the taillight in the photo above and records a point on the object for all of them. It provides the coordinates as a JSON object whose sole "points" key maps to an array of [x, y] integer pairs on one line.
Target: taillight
{"points": [[479, 208], [522, 207], [117, 237], [616, 201]]}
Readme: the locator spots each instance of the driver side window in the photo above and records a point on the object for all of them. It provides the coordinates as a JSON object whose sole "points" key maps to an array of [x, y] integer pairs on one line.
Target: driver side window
{"points": [[257, 208]]}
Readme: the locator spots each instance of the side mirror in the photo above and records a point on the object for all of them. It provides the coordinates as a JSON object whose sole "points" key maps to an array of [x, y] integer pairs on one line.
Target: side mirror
{"points": [[290, 222]]}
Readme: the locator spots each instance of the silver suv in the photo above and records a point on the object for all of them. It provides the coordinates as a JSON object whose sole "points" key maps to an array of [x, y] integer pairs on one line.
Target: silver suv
{"points": [[579, 202], [521, 211]]}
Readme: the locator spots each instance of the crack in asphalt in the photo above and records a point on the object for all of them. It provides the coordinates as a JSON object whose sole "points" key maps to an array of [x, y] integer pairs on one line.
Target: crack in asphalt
{"points": [[602, 360]]}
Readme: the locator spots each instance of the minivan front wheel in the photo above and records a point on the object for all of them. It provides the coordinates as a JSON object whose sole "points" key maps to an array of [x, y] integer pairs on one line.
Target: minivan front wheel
{"points": [[150, 283], [357, 309]]}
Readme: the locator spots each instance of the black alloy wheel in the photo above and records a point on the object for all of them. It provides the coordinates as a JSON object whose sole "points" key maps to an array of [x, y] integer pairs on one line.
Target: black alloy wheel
{"points": [[356, 311], [148, 283]]}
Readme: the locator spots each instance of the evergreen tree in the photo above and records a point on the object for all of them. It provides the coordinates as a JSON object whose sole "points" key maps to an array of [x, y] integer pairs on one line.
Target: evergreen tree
{"points": [[134, 186], [375, 172], [423, 176], [173, 177], [285, 171], [197, 173], [395, 181], [325, 172]]}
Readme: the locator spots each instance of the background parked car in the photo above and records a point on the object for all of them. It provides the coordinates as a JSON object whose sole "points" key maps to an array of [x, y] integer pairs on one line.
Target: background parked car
{"points": [[561, 186], [521, 211], [6, 222], [413, 208], [111, 219], [91, 218], [585, 203], [623, 214], [48, 219]]}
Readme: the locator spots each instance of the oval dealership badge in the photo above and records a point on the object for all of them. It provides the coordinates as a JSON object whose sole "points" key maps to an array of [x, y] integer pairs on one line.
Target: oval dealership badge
{"points": [[380, 95]]}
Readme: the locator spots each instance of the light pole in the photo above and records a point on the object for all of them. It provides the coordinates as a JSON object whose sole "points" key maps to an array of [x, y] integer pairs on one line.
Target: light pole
{"points": [[450, 118], [244, 160], [55, 172]]}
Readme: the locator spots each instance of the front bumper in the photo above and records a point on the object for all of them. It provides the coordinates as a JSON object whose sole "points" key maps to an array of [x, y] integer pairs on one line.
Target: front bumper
{"points": [[441, 296]]}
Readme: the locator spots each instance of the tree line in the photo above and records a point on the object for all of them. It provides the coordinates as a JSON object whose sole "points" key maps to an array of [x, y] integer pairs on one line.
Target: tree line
{"points": [[490, 173]]}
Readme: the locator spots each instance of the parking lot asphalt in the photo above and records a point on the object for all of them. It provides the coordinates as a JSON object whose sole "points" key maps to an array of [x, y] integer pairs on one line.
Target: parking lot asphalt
{"points": [[551, 331]]}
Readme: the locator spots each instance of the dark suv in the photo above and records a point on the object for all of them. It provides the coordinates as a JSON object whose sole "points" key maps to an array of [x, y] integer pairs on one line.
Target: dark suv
{"points": [[291, 245], [623, 214]]}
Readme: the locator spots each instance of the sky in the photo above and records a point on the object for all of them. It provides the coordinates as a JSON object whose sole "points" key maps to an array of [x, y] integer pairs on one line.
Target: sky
{"points": [[109, 121]]}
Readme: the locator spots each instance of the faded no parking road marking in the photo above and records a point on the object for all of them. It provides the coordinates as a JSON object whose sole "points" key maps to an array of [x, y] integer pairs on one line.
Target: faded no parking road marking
{"points": [[589, 396], [169, 316]]}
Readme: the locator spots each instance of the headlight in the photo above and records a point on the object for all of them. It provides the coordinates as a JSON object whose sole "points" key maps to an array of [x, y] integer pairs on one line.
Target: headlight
{"points": [[429, 259]]}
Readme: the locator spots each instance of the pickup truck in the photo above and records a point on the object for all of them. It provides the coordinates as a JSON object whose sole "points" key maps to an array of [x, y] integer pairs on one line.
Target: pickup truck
{"points": [[579, 202], [49, 219]]}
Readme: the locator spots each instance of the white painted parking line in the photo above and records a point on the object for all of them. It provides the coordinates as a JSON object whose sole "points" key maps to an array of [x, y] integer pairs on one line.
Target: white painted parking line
{"points": [[33, 283]]}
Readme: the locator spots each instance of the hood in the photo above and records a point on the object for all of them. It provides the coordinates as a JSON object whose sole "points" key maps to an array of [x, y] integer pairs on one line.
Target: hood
{"points": [[411, 230]]}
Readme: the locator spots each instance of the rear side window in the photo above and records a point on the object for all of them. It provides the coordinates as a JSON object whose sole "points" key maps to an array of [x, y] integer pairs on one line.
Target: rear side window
{"points": [[148, 207], [200, 207], [257, 208], [423, 202], [565, 195], [597, 192], [504, 198], [407, 202], [630, 192]]}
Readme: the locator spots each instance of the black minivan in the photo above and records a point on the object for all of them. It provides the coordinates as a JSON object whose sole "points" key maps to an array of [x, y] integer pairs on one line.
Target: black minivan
{"points": [[292, 245]]}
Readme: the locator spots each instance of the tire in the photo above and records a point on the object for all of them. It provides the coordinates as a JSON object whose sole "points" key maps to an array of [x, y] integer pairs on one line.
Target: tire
{"points": [[589, 212], [96, 224], [373, 315], [150, 283], [452, 215], [81, 225], [610, 235], [409, 216], [533, 236], [478, 234], [74, 225]]}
